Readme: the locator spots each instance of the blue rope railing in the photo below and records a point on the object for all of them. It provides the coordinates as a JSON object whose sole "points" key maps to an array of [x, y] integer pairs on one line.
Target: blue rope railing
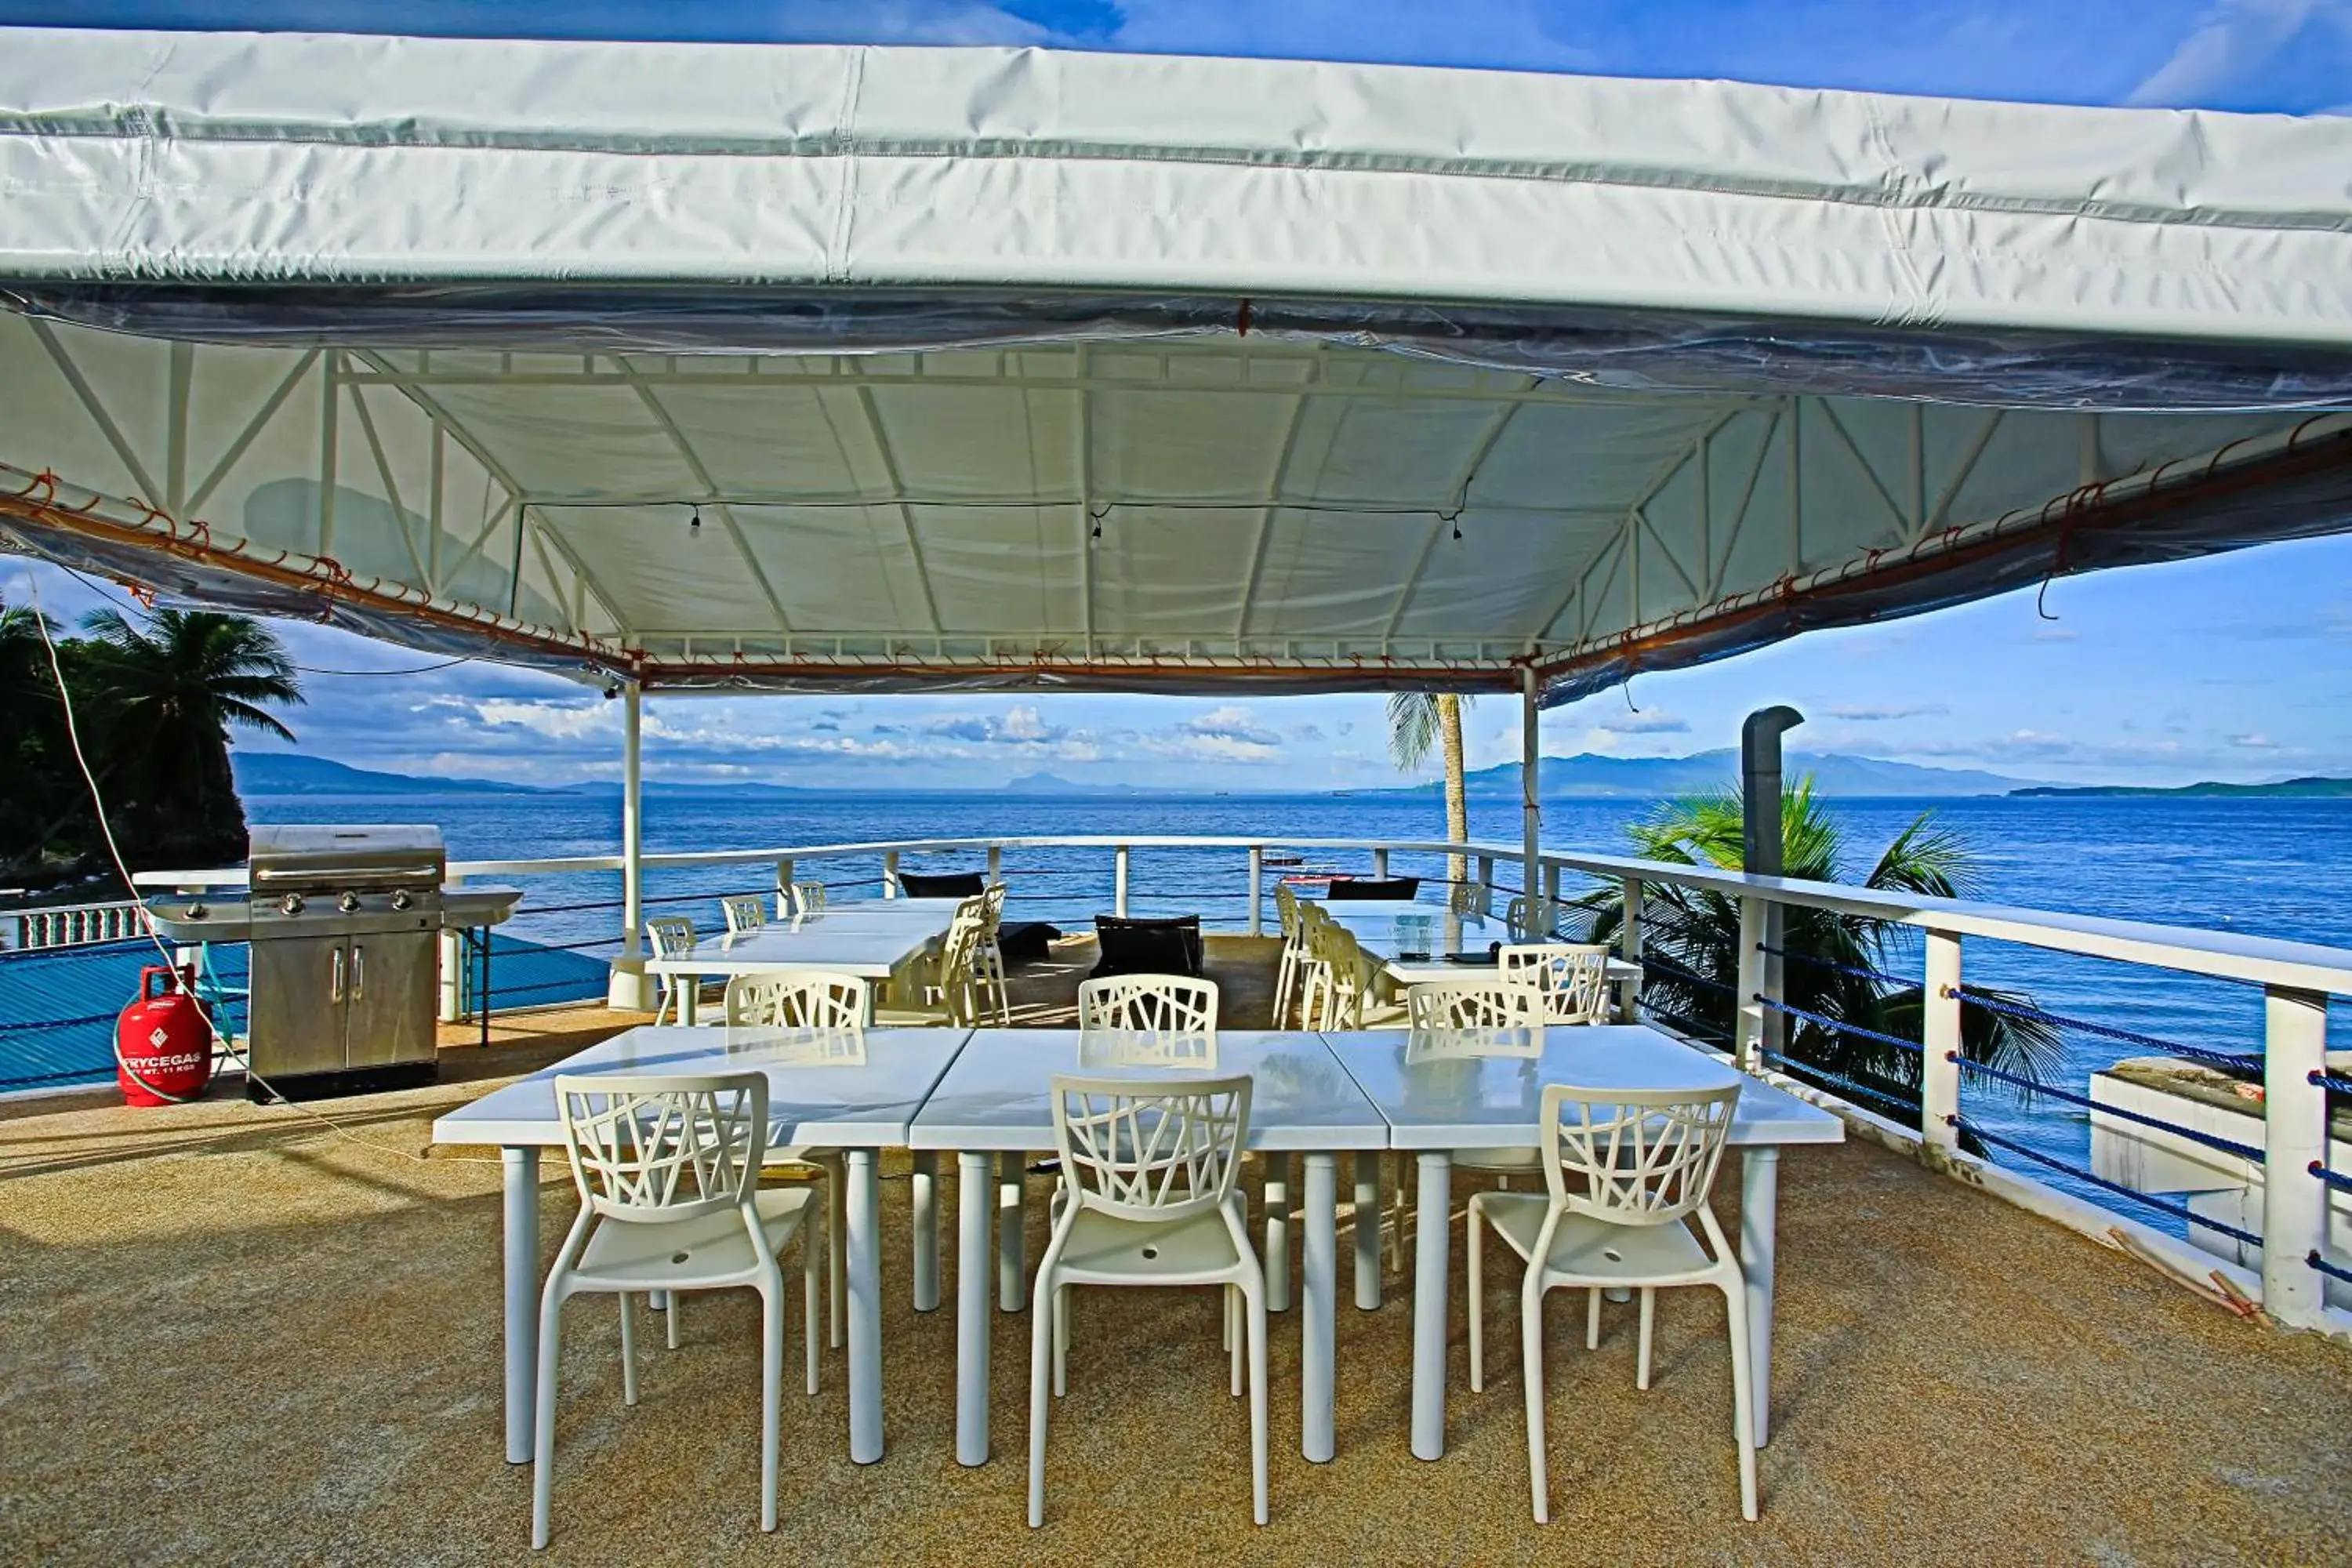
{"points": [[1816, 962], [2161, 1206], [1839, 1080], [1838, 1026], [2337, 1179], [1677, 971], [2332, 1082], [2237, 1061], [2334, 1271], [2244, 1150]]}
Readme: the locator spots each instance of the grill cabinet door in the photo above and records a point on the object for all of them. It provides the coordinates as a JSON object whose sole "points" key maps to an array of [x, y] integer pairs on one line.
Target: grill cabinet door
{"points": [[391, 1011], [296, 1012]]}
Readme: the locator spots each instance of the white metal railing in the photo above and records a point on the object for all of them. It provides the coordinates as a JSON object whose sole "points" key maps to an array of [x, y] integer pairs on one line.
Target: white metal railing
{"points": [[2297, 979], [78, 925]]}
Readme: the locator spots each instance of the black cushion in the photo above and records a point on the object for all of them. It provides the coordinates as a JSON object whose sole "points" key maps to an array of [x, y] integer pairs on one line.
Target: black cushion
{"points": [[1024, 941], [1165, 946], [952, 885], [1347, 888]]}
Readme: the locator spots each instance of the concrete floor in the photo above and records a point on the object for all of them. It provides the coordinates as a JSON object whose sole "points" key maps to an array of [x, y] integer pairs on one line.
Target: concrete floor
{"points": [[244, 1334]]}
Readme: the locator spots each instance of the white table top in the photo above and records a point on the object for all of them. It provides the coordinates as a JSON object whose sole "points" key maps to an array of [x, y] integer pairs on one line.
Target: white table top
{"points": [[869, 939], [1388, 928], [1496, 1101], [998, 1096], [865, 1104]]}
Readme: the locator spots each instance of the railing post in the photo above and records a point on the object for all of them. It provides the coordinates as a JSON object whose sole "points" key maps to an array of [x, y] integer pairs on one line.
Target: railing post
{"points": [[1257, 889], [784, 900], [996, 862], [2295, 1136], [1487, 877], [890, 873], [1118, 881], [1551, 883], [1748, 1034], [1629, 891], [1381, 861], [1939, 1043]]}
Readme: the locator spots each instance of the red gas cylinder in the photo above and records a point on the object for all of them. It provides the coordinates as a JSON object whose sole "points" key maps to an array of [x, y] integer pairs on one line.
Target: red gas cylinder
{"points": [[163, 1046]]}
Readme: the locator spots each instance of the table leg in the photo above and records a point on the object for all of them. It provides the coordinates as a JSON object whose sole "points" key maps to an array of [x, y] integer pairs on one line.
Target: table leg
{"points": [[864, 1307], [1433, 1207], [1278, 1233], [689, 998], [975, 1194], [1012, 1242], [522, 1245], [1367, 1231], [923, 1199], [1321, 1246], [1759, 1208]]}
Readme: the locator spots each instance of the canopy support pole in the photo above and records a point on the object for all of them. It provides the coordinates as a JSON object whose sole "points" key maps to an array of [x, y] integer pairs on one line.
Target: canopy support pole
{"points": [[630, 988], [1530, 813]]}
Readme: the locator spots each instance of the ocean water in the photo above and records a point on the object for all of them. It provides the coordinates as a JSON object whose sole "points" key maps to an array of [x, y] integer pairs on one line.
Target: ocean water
{"points": [[2268, 868]]}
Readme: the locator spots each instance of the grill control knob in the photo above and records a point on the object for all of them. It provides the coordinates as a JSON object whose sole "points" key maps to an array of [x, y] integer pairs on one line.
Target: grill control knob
{"points": [[291, 903], [401, 901], [197, 911], [349, 903]]}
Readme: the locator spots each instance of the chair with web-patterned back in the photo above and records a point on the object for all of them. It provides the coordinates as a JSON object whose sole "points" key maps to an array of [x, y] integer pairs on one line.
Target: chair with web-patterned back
{"points": [[1170, 1019], [1574, 978], [671, 936], [1627, 1171], [1288, 918], [820, 1019], [804, 899], [1147, 1183], [1471, 899], [667, 1171], [1533, 920], [749, 912]]}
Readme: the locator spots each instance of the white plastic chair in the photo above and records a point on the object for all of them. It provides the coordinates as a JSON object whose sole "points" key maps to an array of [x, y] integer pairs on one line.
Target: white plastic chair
{"points": [[1573, 979], [671, 936], [1626, 1170], [1471, 899], [806, 898], [1533, 920], [1148, 1170], [667, 1171], [1288, 919], [823, 1015], [950, 991], [749, 913], [989, 985], [1481, 1005]]}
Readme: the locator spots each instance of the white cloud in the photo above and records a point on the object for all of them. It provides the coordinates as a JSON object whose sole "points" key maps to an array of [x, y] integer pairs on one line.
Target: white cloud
{"points": [[2231, 41], [556, 720], [2255, 741], [1873, 715]]}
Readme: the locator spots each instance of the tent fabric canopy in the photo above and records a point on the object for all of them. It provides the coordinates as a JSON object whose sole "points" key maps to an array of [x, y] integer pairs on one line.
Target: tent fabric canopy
{"points": [[797, 368]]}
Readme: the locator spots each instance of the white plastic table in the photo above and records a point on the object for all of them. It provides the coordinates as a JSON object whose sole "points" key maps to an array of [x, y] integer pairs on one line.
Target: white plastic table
{"points": [[996, 1100], [871, 939], [859, 1108], [1433, 1107], [1411, 941]]}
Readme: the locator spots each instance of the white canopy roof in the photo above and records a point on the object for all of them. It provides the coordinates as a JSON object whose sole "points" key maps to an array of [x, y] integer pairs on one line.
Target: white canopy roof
{"points": [[792, 367]]}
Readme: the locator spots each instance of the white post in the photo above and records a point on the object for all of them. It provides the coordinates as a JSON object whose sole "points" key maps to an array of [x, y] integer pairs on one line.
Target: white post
{"points": [[1748, 1036], [1629, 1000], [1551, 883], [1530, 814], [1118, 881], [629, 987], [1257, 889], [890, 873], [996, 862], [1939, 1047], [1381, 861], [1487, 878], [2294, 1137]]}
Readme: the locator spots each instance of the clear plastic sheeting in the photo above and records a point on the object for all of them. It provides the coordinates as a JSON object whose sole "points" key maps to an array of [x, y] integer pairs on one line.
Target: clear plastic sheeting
{"points": [[1625, 350]]}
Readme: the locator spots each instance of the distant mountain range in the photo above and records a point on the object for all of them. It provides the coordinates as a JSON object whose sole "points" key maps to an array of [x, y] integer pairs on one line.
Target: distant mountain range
{"points": [[1581, 777], [1588, 777], [2283, 789]]}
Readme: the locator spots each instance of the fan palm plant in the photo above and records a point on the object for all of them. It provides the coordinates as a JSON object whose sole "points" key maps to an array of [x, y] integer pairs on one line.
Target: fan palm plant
{"points": [[1836, 964], [1420, 721]]}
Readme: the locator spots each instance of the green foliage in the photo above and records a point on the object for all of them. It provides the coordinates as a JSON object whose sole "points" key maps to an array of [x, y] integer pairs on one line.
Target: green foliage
{"points": [[154, 704], [1833, 958]]}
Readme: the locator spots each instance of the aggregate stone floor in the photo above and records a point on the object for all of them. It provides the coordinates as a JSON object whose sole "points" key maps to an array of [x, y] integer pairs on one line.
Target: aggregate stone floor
{"points": [[239, 1334]]}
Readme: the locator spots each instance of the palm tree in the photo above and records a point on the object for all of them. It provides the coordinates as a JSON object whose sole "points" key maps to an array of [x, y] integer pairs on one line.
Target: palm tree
{"points": [[163, 698], [1835, 964], [1418, 721], [30, 725]]}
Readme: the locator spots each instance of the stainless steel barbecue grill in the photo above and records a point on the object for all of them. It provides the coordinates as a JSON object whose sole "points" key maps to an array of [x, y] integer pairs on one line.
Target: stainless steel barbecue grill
{"points": [[344, 922]]}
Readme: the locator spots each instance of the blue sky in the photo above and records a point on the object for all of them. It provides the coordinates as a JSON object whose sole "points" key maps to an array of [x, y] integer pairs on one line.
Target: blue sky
{"points": [[2238, 666]]}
